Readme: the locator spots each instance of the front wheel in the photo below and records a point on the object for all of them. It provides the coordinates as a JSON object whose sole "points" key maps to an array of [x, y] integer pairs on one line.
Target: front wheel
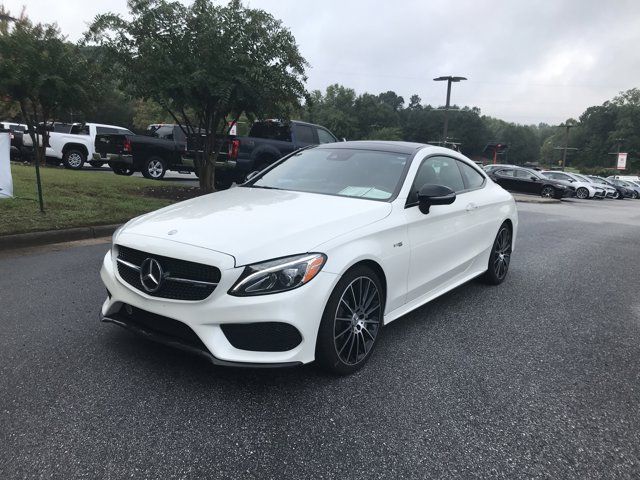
{"points": [[500, 257], [547, 192], [582, 193], [351, 322], [74, 159], [154, 168]]}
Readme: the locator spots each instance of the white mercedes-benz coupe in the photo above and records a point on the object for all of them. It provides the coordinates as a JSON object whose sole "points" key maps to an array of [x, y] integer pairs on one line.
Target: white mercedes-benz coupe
{"points": [[311, 257]]}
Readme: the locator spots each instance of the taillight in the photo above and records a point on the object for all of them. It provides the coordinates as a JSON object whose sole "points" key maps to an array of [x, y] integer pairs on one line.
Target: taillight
{"points": [[127, 145], [234, 146]]}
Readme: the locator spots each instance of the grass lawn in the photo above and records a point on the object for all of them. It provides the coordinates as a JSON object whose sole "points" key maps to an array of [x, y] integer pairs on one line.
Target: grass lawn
{"points": [[81, 198]]}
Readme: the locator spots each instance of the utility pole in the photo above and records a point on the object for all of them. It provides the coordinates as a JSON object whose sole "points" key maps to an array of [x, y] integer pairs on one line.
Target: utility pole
{"points": [[566, 147], [449, 79]]}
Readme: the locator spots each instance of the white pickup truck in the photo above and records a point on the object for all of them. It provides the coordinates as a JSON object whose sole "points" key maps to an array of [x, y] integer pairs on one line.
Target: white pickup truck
{"points": [[75, 145]]}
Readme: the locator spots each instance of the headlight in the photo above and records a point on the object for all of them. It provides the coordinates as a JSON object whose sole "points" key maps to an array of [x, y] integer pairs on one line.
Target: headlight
{"points": [[278, 275]]}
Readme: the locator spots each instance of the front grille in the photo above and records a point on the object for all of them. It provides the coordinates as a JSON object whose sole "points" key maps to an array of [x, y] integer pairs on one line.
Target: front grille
{"points": [[262, 337], [182, 280]]}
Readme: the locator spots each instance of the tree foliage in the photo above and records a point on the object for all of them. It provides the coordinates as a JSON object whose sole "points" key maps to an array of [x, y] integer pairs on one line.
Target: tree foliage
{"points": [[42, 74], [205, 64]]}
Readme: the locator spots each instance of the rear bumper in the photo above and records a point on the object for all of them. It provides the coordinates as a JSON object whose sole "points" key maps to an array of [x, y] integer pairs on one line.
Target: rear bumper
{"points": [[114, 158]]}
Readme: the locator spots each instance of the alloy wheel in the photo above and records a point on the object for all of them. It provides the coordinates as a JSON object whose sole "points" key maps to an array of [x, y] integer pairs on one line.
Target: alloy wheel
{"points": [[582, 193], [74, 160], [357, 321], [155, 168], [502, 253], [547, 192]]}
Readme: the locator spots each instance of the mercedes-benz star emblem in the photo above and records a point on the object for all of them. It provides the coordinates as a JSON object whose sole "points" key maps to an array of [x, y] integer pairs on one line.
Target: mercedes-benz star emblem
{"points": [[151, 275]]}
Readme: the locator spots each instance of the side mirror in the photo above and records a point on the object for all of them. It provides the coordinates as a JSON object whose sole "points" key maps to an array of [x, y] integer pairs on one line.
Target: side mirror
{"points": [[431, 194], [251, 175], [534, 178]]}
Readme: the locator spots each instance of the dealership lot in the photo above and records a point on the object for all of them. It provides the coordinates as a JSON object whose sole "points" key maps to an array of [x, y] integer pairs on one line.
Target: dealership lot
{"points": [[536, 377]]}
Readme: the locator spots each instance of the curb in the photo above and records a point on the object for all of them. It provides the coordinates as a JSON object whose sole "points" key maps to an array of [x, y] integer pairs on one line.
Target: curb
{"points": [[534, 199], [32, 239]]}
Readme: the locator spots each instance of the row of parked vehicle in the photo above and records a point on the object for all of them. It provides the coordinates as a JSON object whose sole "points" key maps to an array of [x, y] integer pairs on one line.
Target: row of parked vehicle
{"points": [[559, 184], [165, 147]]}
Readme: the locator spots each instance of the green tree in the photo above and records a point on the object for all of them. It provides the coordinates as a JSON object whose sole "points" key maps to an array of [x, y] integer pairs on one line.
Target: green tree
{"points": [[205, 64], [42, 74]]}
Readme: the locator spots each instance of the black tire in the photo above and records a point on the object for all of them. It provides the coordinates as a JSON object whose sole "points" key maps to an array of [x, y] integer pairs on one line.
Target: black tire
{"points": [[356, 321], [500, 256], [95, 163], [548, 192], [74, 159], [121, 169], [154, 168], [52, 162], [222, 181], [634, 195], [620, 196], [582, 193]]}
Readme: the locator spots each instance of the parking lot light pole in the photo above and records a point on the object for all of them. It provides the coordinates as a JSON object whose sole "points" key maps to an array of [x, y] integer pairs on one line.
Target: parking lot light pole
{"points": [[449, 79]]}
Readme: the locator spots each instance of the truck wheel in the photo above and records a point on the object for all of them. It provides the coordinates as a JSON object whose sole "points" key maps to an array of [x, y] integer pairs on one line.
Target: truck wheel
{"points": [[121, 169], [222, 182], [73, 159], [154, 168], [95, 163]]}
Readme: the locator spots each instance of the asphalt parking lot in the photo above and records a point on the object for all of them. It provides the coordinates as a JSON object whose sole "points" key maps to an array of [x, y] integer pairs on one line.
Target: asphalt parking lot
{"points": [[536, 378]]}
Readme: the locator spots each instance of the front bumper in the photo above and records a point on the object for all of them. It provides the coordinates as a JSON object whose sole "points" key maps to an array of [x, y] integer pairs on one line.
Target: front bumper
{"points": [[114, 158], [301, 308]]}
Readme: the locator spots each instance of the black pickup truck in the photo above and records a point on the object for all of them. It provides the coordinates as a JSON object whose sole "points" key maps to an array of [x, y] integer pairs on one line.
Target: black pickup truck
{"points": [[162, 148], [165, 148], [267, 142]]}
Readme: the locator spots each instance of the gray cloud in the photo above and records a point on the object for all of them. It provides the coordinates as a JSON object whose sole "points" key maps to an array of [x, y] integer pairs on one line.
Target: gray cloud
{"points": [[526, 61]]}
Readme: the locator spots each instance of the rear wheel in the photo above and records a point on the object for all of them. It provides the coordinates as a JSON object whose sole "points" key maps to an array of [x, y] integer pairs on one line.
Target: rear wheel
{"points": [[223, 182], [154, 168], [74, 159], [635, 195], [500, 257], [582, 193], [351, 322], [121, 169]]}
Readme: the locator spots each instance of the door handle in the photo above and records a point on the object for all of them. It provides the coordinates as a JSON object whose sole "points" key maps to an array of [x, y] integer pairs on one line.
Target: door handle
{"points": [[472, 206]]}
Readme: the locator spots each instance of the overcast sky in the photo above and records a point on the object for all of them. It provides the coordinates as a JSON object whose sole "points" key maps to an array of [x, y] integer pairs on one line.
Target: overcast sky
{"points": [[526, 61]]}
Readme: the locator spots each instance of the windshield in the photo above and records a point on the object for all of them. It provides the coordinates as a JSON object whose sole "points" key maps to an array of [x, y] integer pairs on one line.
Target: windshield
{"points": [[581, 178], [345, 172]]}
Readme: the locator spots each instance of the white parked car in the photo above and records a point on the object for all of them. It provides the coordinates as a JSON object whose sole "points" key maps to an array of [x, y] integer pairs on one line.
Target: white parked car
{"points": [[609, 191], [311, 257], [74, 147], [583, 188]]}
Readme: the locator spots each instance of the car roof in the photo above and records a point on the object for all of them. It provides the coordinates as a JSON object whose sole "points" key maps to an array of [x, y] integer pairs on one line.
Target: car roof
{"points": [[386, 146]]}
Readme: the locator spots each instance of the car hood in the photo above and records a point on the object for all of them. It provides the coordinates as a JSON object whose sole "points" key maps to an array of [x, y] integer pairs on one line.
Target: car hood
{"points": [[254, 224]]}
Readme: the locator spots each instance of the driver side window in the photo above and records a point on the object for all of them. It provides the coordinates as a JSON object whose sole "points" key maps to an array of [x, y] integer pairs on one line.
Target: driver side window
{"points": [[436, 171]]}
